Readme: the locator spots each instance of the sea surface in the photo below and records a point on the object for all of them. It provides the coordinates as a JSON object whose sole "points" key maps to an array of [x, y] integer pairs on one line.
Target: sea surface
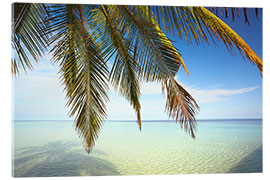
{"points": [[53, 148]]}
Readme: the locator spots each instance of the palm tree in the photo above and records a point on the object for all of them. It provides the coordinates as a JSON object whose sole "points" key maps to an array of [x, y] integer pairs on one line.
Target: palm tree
{"points": [[83, 38]]}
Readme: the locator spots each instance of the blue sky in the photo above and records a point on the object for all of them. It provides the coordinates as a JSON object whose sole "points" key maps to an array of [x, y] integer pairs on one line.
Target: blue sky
{"points": [[224, 86]]}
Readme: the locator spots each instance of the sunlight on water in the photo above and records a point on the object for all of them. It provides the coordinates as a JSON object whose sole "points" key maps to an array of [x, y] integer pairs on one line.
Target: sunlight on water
{"points": [[54, 149]]}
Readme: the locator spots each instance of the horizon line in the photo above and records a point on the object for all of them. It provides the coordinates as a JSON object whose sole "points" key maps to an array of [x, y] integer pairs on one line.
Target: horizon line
{"points": [[168, 120]]}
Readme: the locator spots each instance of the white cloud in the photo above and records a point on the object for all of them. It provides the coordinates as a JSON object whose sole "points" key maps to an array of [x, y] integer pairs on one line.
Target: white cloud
{"points": [[211, 94], [216, 95]]}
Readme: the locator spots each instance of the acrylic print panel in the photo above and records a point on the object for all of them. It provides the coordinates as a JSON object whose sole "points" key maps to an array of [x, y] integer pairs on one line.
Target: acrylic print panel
{"points": [[97, 90]]}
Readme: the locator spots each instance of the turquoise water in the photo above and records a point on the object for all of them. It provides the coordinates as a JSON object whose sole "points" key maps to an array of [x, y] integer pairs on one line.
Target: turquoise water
{"points": [[54, 149]]}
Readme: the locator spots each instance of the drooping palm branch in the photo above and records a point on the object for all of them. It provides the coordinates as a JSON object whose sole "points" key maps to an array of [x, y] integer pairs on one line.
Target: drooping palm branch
{"points": [[84, 72], [29, 34], [201, 24], [83, 38]]}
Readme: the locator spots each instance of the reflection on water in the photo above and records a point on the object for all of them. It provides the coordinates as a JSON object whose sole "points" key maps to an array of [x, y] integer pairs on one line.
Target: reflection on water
{"points": [[58, 159]]}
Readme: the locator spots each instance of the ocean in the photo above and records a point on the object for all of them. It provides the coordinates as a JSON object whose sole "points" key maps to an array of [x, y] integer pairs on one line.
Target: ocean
{"points": [[53, 148]]}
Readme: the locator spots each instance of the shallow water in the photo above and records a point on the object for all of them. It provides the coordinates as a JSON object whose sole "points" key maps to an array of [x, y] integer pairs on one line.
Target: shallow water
{"points": [[54, 149]]}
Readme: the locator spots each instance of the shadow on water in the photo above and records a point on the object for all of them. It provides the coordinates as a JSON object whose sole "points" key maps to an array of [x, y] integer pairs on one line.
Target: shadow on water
{"points": [[250, 164], [60, 159]]}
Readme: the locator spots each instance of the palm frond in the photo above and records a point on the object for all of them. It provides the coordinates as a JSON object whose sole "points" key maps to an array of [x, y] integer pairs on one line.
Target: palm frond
{"points": [[181, 106], [84, 72], [14, 67], [228, 36], [29, 33], [180, 21], [157, 58], [200, 24], [145, 49], [123, 74]]}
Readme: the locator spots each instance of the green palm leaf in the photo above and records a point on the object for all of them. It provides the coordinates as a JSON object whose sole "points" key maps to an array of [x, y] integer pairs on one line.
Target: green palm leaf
{"points": [[228, 36], [83, 69], [158, 60], [158, 57], [123, 74], [200, 24], [29, 34]]}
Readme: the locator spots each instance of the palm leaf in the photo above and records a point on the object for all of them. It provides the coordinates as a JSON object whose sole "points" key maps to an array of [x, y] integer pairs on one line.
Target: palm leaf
{"points": [[123, 74], [141, 47], [83, 70], [65, 52], [165, 59], [158, 57], [227, 35], [181, 21], [29, 33], [181, 106], [200, 24]]}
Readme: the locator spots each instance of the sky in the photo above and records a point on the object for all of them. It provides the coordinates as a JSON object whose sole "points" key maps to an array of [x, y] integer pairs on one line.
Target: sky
{"points": [[223, 85]]}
